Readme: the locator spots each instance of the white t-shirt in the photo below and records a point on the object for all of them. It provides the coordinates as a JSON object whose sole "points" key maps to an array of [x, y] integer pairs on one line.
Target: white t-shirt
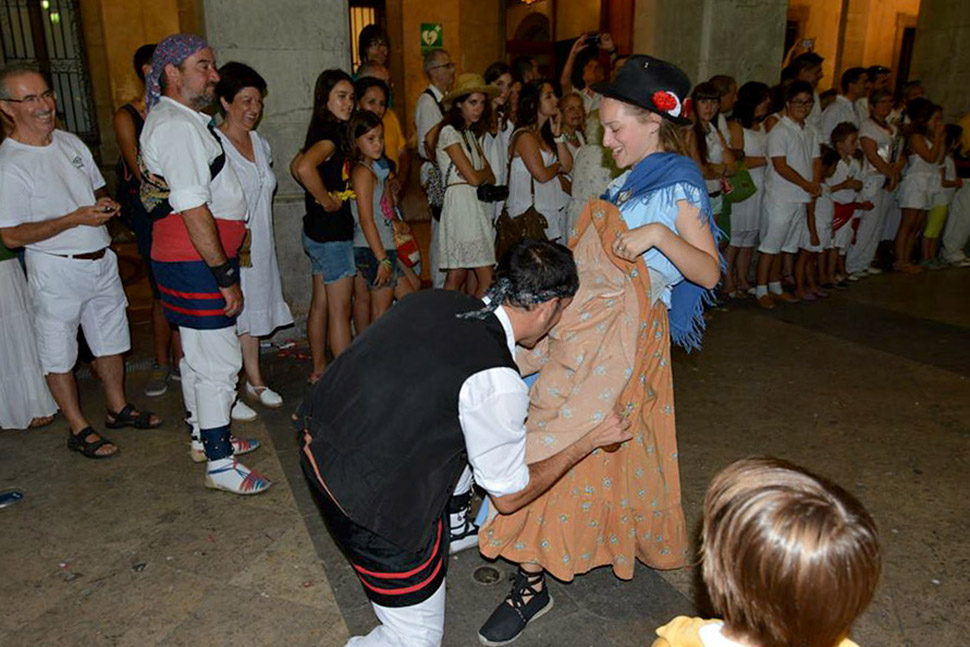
{"points": [[843, 171], [40, 183], [177, 145], [838, 111], [799, 146]]}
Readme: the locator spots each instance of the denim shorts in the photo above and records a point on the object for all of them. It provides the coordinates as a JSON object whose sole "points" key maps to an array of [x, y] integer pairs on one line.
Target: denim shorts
{"points": [[333, 260], [367, 265]]}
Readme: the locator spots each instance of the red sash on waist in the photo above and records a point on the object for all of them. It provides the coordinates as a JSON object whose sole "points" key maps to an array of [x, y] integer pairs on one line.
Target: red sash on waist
{"points": [[171, 242], [842, 215]]}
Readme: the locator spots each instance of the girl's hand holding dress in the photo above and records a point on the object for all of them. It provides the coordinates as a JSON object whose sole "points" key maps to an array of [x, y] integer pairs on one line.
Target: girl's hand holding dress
{"points": [[631, 244]]}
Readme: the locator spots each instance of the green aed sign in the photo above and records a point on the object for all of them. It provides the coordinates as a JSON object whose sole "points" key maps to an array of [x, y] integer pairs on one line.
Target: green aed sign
{"points": [[431, 36]]}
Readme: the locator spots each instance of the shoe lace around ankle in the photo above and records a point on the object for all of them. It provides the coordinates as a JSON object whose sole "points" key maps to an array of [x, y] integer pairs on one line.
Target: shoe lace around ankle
{"points": [[522, 585]]}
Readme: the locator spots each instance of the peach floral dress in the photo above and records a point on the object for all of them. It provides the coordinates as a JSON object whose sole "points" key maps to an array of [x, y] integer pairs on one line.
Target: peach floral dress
{"points": [[610, 351]]}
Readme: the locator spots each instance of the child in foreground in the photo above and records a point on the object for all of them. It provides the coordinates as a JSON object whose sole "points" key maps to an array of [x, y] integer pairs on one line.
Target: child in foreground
{"points": [[788, 559]]}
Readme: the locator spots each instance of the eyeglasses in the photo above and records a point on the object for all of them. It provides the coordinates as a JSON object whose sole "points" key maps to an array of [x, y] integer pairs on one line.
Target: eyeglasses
{"points": [[450, 66], [34, 99]]}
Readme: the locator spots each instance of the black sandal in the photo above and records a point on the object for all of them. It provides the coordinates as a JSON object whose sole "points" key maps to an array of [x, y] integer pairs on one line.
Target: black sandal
{"points": [[79, 443], [127, 418]]}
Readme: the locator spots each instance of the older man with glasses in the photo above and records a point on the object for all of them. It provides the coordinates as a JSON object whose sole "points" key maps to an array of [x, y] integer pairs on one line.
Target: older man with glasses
{"points": [[54, 203], [429, 111]]}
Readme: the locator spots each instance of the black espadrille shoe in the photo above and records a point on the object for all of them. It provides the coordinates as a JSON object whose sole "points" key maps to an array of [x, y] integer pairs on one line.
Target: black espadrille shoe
{"points": [[511, 617]]}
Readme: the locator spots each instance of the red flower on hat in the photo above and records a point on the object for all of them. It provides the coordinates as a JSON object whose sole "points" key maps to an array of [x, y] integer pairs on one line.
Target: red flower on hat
{"points": [[688, 107], [664, 100]]}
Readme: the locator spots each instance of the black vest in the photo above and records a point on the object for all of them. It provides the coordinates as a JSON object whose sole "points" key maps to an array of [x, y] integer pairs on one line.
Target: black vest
{"points": [[386, 435]]}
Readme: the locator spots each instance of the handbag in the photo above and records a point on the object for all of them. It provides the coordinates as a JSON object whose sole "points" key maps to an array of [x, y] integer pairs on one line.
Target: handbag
{"points": [[530, 224], [741, 186], [407, 247]]}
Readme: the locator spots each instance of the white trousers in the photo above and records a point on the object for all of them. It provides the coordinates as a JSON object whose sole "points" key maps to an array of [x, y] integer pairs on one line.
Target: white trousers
{"points": [[210, 367], [420, 625], [957, 229], [871, 225]]}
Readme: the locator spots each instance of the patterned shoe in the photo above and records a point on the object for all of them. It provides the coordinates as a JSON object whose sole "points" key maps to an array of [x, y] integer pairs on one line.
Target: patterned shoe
{"points": [[240, 446], [157, 381], [232, 476]]}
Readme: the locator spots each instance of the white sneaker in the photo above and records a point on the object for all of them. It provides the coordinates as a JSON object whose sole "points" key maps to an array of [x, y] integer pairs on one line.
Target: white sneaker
{"points": [[855, 276], [266, 396], [463, 532], [230, 475], [873, 270], [242, 412], [240, 446]]}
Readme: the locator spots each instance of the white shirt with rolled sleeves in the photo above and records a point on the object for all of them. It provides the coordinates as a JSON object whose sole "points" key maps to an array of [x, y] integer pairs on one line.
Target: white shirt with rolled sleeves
{"points": [[799, 146], [40, 183], [492, 407], [176, 144], [838, 111]]}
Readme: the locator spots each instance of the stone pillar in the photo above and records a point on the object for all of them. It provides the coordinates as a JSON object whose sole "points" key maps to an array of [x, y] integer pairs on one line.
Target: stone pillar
{"points": [[708, 37], [289, 44], [941, 59]]}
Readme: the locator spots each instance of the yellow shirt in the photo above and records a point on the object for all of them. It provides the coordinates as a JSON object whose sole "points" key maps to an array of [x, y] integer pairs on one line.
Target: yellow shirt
{"points": [[394, 141], [685, 632]]}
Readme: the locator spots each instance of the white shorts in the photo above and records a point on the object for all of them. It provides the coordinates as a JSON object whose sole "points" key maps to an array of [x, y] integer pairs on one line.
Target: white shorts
{"points": [[782, 226], [915, 192], [823, 227], [69, 292], [842, 239]]}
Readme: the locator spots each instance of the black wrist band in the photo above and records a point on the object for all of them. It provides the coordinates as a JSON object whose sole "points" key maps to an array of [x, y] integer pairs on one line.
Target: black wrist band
{"points": [[226, 275]]}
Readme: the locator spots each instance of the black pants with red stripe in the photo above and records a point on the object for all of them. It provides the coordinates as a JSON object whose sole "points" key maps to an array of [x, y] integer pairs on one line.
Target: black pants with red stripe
{"points": [[390, 575]]}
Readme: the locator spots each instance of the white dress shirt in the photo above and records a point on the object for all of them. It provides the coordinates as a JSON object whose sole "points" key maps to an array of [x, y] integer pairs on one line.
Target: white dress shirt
{"points": [[799, 146], [177, 145], [492, 408], [838, 111]]}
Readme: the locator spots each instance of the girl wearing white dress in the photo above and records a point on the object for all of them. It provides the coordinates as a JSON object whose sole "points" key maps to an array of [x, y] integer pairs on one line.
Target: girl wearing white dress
{"points": [[925, 149], [240, 91]]}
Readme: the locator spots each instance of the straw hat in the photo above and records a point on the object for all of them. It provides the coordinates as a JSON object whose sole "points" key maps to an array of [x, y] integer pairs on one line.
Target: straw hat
{"points": [[466, 84]]}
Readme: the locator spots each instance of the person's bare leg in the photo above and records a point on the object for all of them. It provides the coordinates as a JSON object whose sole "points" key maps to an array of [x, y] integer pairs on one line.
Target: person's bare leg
{"points": [[471, 283], [483, 276], [903, 237], [380, 302], [404, 287], [63, 388], [455, 279], [801, 267], [250, 356], [412, 278], [362, 304], [743, 266], [316, 328], [338, 311], [111, 370], [730, 260], [161, 335], [765, 263]]}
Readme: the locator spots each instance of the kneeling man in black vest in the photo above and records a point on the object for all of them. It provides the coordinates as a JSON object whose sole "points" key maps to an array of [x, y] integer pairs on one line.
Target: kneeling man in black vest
{"points": [[386, 444]]}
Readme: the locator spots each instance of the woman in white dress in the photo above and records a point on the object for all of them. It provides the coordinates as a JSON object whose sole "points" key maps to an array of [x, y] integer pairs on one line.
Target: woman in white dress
{"points": [[240, 91], [465, 238], [748, 135], [25, 400], [540, 159]]}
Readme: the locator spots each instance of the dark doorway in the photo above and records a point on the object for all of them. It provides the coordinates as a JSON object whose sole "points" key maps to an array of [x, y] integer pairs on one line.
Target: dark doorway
{"points": [[905, 58]]}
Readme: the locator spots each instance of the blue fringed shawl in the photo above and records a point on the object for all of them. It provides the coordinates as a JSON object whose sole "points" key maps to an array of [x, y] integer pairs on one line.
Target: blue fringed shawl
{"points": [[687, 300]]}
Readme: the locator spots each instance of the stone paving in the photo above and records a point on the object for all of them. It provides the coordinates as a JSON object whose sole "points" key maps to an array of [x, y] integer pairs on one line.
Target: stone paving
{"points": [[869, 388]]}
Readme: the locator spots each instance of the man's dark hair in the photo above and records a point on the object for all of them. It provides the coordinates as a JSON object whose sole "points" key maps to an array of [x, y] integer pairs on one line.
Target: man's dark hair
{"points": [[537, 271], [877, 70], [143, 57], [850, 76], [801, 63], [522, 65], [797, 88], [234, 76], [368, 35]]}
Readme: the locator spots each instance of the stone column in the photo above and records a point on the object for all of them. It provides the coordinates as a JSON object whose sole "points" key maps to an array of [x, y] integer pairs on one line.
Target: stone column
{"points": [[941, 59], [708, 37], [289, 44]]}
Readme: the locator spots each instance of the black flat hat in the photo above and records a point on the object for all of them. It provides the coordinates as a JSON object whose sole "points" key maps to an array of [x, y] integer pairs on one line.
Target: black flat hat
{"points": [[650, 83]]}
